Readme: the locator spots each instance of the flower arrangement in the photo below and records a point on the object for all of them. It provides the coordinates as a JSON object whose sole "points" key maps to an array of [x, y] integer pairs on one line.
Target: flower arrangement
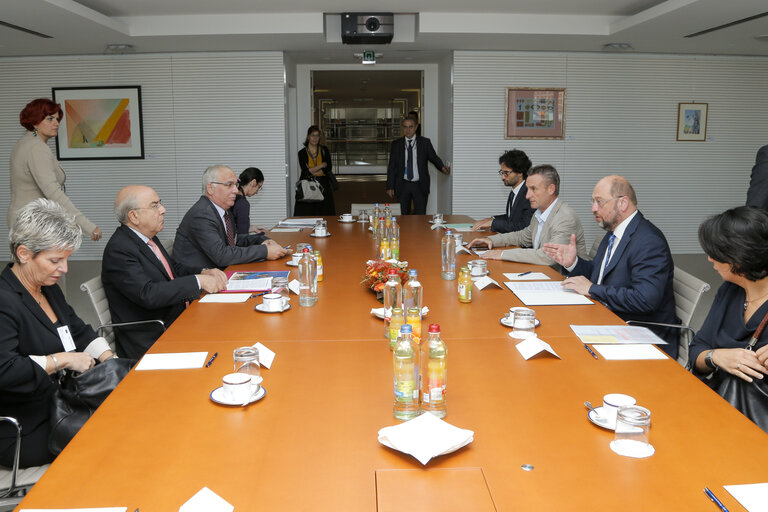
{"points": [[376, 272]]}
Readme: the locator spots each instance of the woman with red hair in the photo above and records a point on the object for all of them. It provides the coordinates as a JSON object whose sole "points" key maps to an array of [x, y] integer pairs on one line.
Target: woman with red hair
{"points": [[35, 172]]}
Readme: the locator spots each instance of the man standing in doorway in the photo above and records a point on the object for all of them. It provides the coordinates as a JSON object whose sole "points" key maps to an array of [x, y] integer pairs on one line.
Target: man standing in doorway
{"points": [[408, 169]]}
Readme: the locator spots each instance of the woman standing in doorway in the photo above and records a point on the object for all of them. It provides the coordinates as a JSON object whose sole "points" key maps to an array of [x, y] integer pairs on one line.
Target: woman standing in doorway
{"points": [[315, 161]]}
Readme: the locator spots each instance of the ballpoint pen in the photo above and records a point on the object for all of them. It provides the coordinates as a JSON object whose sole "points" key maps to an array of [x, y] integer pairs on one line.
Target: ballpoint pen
{"points": [[590, 351], [524, 273], [259, 294], [714, 499], [210, 361]]}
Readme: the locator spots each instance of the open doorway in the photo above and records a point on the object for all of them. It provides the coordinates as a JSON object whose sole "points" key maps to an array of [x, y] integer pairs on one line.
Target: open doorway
{"points": [[359, 114]]}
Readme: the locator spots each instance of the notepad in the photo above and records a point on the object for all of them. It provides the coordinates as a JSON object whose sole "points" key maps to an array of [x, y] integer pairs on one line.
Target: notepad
{"points": [[225, 297], [629, 352], [172, 361], [753, 497], [546, 294], [528, 276]]}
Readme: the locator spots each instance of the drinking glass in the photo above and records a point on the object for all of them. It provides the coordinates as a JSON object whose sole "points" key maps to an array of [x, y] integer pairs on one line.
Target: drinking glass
{"points": [[246, 360]]}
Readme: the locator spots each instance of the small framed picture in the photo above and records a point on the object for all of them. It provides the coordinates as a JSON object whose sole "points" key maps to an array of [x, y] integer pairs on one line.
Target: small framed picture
{"points": [[692, 122], [535, 113], [99, 123]]}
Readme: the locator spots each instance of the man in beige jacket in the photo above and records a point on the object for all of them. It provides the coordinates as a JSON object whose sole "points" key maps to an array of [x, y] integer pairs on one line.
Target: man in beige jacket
{"points": [[553, 222]]}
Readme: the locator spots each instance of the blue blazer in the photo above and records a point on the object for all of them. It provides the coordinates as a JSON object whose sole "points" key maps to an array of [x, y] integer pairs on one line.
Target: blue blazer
{"points": [[518, 214], [637, 283], [425, 153]]}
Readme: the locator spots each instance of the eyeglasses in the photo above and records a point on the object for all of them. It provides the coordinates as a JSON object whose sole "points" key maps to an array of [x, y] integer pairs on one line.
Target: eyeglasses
{"points": [[504, 173], [155, 205], [229, 184], [602, 202]]}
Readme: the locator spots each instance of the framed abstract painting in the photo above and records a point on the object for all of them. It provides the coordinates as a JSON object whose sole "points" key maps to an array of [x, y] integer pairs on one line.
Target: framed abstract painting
{"points": [[100, 123], [692, 121], [534, 113]]}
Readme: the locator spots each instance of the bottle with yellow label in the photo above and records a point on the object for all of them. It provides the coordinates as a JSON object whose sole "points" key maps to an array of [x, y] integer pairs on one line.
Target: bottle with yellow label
{"points": [[384, 253], [319, 260], [465, 285]]}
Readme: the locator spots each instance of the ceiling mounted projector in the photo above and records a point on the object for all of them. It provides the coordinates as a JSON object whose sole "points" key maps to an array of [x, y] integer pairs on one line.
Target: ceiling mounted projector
{"points": [[367, 28]]}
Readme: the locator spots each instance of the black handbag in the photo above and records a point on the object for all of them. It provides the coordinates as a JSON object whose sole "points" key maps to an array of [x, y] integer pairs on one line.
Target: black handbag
{"points": [[79, 395], [309, 191], [750, 398]]}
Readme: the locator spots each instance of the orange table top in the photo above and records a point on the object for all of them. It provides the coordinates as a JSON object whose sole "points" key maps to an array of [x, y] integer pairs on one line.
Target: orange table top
{"points": [[311, 443]]}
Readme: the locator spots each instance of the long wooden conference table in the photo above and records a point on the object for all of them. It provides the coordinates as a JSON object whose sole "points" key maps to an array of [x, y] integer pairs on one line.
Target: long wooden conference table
{"points": [[311, 443]]}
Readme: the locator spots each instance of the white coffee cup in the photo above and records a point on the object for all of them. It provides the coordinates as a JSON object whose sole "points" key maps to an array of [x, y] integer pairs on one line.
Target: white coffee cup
{"points": [[273, 301], [611, 404], [346, 217], [237, 387], [295, 257]]}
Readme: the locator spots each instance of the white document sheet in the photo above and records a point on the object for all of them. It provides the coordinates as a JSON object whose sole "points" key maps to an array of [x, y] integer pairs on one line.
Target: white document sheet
{"points": [[527, 276], [262, 283], [753, 497], [616, 334], [226, 297], [546, 294], [286, 230], [629, 352], [172, 361], [300, 223], [529, 347], [205, 500], [266, 356]]}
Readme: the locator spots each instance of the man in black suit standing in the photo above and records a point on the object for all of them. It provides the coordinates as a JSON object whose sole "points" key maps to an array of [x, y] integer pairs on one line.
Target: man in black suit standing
{"points": [[757, 195], [206, 236], [408, 169], [515, 165], [141, 280]]}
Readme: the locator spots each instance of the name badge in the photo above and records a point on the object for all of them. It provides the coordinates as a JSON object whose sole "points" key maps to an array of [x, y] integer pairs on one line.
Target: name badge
{"points": [[66, 339]]}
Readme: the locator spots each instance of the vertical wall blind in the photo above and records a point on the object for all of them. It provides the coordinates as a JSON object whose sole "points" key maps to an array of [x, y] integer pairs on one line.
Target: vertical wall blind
{"points": [[621, 117], [198, 110]]}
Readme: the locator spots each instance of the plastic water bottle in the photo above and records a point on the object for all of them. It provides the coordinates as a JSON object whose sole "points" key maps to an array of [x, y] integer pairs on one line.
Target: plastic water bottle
{"points": [[412, 292], [405, 364], [448, 247], [307, 279], [394, 239], [434, 373], [393, 297], [375, 222], [387, 215]]}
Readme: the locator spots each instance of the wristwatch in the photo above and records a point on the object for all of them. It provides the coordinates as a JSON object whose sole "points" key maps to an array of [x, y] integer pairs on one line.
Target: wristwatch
{"points": [[708, 361]]}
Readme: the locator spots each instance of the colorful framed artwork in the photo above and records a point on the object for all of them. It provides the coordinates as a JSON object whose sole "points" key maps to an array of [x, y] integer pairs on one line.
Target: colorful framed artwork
{"points": [[692, 121], [99, 123], [534, 113]]}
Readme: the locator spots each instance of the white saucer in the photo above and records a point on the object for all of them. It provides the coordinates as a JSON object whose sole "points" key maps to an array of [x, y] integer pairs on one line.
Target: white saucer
{"points": [[260, 308], [320, 236], [217, 395], [506, 323], [600, 421], [290, 263], [631, 448], [347, 221]]}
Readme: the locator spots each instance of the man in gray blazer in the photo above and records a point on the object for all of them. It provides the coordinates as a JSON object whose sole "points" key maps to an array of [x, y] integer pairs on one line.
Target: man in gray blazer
{"points": [[206, 236], [553, 222]]}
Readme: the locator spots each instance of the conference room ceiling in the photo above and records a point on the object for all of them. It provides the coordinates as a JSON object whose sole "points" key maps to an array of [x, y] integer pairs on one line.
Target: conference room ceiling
{"points": [[86, 27]]}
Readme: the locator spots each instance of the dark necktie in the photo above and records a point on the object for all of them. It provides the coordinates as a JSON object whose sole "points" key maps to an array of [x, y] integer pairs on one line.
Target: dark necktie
{"points": [[607, 259], [409, 164], [230, 231], [510, 203]]}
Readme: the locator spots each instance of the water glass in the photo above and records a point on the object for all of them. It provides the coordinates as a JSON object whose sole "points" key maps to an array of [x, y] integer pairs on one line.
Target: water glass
{"points": [[246, 360], [362, 216], [633, 429], [524, 323], [280, 285]]}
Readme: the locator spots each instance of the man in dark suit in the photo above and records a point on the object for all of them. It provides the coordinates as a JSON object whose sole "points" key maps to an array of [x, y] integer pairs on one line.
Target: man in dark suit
{"points": [[633, 270], [515, 165], [757, 195], [206, 236], [141, 280], [408, 169]]}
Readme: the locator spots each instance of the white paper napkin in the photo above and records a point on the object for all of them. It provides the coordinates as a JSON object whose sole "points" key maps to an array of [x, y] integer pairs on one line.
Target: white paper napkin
{"points": [[294, 286], [206, 501], [484, 281], [425, 437], [172, 361], [460, 248], [529, 347], [266, 356]]}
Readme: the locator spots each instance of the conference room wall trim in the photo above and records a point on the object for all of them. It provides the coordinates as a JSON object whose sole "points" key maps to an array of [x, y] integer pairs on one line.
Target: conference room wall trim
{"points": [[198, 110], [621, 117]]}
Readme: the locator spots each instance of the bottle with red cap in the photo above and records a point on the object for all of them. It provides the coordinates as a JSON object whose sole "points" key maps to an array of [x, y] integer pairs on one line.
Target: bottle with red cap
{"points": [[434, 373]]}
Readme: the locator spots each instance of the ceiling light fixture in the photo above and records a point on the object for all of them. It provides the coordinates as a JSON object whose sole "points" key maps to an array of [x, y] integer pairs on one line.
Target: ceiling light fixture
{"points": [[617, 47], [119, 48]]}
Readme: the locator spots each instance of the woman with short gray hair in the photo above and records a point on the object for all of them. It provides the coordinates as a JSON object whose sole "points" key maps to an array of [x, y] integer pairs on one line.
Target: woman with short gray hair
{"points": [[40, 334]]}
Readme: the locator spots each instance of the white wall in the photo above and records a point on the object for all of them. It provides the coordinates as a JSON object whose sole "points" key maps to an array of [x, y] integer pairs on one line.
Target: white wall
{"points": [[621, 117], [198, 110]]}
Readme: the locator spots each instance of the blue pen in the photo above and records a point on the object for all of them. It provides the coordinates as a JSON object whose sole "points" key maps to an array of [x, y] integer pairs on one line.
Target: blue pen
{"points": [[714, 499], [210, 361], [525, 273], [590, 351], [259, 294]]}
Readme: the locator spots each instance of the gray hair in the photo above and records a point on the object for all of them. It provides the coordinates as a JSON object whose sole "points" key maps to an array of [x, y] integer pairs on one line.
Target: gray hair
{"points": [[211, 174], [44, 225], [121, 209], [549, 173]]}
